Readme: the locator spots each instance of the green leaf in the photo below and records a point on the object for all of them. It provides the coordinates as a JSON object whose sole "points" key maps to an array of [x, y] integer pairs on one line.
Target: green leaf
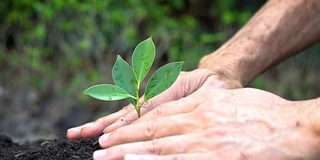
{"points": [[107, 92], [142, 58], [162, 79], [124, 77]]}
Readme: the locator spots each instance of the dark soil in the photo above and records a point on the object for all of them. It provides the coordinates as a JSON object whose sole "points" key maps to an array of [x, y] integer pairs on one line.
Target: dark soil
{"points": [[48, 149]]}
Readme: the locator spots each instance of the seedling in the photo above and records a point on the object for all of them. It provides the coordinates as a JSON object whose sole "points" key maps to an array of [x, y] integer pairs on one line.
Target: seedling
{"points": [[127, 79]]}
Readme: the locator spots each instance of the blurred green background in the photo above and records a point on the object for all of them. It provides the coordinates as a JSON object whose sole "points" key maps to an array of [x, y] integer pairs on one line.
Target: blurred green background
{"points": [[51, 50]]}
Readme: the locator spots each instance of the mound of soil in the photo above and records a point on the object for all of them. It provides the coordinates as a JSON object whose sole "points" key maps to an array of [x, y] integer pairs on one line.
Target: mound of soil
{"points": [[48, 149]]}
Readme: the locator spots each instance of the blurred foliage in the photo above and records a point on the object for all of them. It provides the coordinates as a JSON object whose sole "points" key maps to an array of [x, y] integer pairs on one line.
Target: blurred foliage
{"points": [[58, 45]]}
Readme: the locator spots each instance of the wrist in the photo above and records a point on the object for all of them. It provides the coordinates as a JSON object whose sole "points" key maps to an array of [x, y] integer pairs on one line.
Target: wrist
{"points": [[233, 61], [223, 72]]}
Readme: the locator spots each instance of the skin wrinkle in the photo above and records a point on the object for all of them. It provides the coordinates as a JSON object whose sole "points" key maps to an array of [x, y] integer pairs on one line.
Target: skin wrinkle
{"points": [[307, 142], [241, 121], [264, 121], [274, 146], [267, 128], [197, 84], [290, 150]]}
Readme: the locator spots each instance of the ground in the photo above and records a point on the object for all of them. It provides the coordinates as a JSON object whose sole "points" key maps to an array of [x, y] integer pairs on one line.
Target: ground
{"points": [[48, 149]]}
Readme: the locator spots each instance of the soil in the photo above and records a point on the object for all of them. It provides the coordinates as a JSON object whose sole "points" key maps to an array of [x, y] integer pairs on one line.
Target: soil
{"points": [[36, 123], [48, 149]]}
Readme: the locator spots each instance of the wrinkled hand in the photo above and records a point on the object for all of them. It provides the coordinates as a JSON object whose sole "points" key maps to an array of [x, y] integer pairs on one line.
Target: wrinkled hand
{"points": [[216, 124], [186, 84]]}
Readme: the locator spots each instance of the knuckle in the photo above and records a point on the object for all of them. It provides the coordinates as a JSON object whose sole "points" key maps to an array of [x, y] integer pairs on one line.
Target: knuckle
{"points": [[150, 104], [154, 146], [150, 129], [127, 108], [159, 111]]}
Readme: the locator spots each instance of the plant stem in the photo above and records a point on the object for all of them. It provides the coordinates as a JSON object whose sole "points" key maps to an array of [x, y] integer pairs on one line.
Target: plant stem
{"points": [[138, 107], [138, 104]]}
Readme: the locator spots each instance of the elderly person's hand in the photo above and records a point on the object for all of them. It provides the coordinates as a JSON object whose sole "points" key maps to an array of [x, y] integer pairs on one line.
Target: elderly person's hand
{"points": [[186, 84], [263, 42], [219, 124]]}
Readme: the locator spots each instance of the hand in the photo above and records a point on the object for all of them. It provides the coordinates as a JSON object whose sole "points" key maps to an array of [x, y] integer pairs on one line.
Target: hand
{"points": [[186, 84], [216, 124]]}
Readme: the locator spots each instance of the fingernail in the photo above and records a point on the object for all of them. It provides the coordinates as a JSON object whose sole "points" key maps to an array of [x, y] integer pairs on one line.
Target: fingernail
{"points": [[131, 157], [104, 138], [107, 129], [80, 127], [100, 154], [72, 129]]}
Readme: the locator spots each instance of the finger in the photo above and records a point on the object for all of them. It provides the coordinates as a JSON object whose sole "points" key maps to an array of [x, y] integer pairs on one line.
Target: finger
{"points": [[183, 105], [163, 146], [156, 128], [166, 96], [131, 116], [169, 157], [124, 120], [75, 132], [185, 85], [96, 128], [170, 108]]}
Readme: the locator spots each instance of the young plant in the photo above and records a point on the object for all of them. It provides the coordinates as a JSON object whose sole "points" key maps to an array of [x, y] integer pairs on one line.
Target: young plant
{"points": [[127, 79]]}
